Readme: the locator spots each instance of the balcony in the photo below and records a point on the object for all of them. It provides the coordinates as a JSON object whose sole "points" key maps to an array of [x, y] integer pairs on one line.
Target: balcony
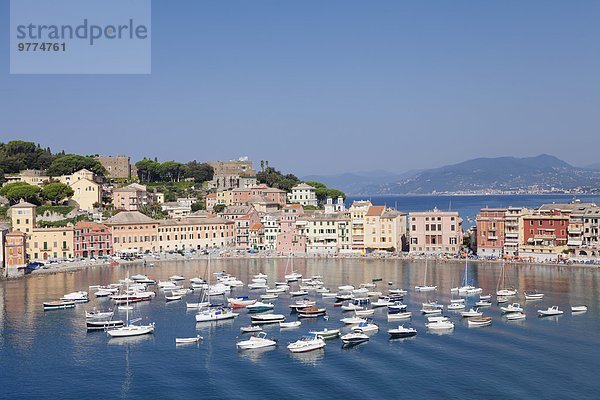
{"points": [[512, 235], [492, 237]]}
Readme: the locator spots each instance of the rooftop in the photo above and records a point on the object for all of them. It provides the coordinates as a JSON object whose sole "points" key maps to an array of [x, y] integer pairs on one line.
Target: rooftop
{"points": [[129, 217]]}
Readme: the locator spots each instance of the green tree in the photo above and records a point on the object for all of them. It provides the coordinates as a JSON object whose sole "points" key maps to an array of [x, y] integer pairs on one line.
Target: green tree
{"points": [[69, 163], [200, 172], [218, 208], [276, 179], [323, 192], [172, 171], [20, 190], [148, 170], [18, 155], [197, 206], [56, 192]]}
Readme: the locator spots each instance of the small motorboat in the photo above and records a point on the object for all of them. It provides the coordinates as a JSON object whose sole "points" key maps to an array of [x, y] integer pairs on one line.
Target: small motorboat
{"points": [[428, 311], [267, 318], [471, 313], [352, 320], [77, 297], [365, 327], [402, 332], [385, 302], [240, 302], [57, 305], [484, 321], [364, 313], [550, 311], [328, 295], [579, 309], [98, 314], [374, 294], [306, 343], [250, 328], [269, 296], [312, 312], [327, 333], [397, 291], [456, 306], [515, 316], [500, 300], [125, 308], [425, 288], [176, 278], [399, 316], [173, 297], [300, 304], [346, 288], [256, 342], [354, 338], [94, 324], [514, 307], [506, 292], [259, 306], [352, 307], [457, 301], [440, 325], [396, 307], [291, 324], [258, 285], [485, 297], [534, 296], [483, 303], [433, 304], [298, 293], [188, 340]]}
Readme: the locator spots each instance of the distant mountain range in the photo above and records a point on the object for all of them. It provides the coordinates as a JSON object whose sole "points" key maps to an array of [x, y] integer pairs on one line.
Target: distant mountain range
{"points": [[543, 173]]}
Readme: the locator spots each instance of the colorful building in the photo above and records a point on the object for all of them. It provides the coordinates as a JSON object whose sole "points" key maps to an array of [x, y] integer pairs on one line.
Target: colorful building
{"points": [[290, 237], [92, 240], [491, 232], [133, 232], [435, 232]]}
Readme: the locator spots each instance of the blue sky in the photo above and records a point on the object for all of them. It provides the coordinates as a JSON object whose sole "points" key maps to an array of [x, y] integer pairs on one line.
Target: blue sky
{"points": [[332, 86]]}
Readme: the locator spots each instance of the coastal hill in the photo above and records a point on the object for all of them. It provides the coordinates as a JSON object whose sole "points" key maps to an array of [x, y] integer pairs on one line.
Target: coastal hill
{"points": [[543, 173]]}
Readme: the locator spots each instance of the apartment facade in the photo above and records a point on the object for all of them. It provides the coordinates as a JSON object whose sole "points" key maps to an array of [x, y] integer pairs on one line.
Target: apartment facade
{"points": [[303, 194], [92, 240], [326, 234], [491, 232], [435, 232], [384, 229], [133, 232], [358, 210], [131, 197], [86, 194], [195, 233], [291, 238], [545, 236]]}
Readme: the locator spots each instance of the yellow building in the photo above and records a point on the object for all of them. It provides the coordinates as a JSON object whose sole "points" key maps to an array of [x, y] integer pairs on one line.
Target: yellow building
{"points": [[31, 176], [225, 197], [76, 176], [22, 217], [42, 243], [50, 243], [86, 193], [133, 232], [358, 210], [194, 233], [384, 228]]}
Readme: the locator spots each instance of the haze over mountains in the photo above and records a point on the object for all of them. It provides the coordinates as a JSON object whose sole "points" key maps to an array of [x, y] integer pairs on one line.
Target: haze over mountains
{"points": [[543, 173]]}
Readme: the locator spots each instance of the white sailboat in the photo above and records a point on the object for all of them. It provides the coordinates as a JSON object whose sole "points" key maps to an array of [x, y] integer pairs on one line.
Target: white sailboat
{"points": [[425, 287], [501, 289], [208, 313], [129, 329], [466, 288], [293, 276]]}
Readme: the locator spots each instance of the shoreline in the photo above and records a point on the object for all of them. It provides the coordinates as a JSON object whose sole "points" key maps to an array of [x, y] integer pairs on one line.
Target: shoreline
{"points": [[79, 266]]}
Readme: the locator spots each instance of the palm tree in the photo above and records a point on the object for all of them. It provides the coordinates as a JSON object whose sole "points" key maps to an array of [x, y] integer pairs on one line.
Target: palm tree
{"points": [[262, 165]]}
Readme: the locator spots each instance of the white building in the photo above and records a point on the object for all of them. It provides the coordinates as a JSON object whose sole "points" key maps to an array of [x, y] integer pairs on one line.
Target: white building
{"points": [[303, 194]]}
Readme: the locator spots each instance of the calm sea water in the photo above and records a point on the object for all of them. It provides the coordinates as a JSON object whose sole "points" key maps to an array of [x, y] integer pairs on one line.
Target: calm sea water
{"points": [[49, 355], [469, 206]]}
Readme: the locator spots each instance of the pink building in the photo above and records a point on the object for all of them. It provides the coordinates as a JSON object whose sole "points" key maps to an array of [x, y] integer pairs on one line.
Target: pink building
{"points": [[92, 240], [244, 217], [211, 201], [244, 196], [438, 232], [289, 239]]}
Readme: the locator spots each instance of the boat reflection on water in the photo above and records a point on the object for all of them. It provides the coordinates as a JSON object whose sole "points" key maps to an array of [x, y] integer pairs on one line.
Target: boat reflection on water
{"points": [[129, 340], [211, 327], [310, 357], [440, 332], [255, 355], [402, 339]]}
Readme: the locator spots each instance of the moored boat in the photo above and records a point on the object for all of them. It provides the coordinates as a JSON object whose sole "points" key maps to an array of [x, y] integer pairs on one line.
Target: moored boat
{"points": [[402, 332], [267, 318], [483, 321], [354, 338], [256, 342], [327, 333], [579, 309], [188, 340], [57, 305], [291, 324], [550, 311], [308, 342]]}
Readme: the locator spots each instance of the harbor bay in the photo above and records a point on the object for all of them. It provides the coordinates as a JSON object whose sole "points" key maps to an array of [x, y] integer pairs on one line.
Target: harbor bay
{"points": [[549, 357]]}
